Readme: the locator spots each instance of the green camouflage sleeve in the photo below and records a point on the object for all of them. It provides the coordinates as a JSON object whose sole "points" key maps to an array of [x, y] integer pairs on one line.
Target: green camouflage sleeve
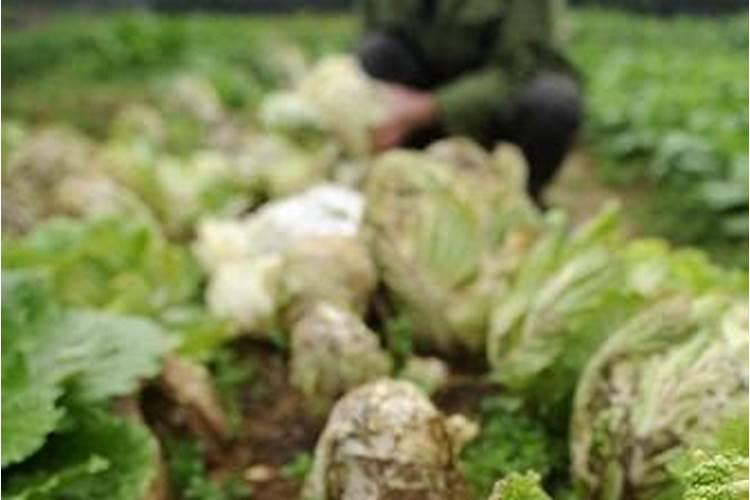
{"points": [[467, 104], [389, 13]]}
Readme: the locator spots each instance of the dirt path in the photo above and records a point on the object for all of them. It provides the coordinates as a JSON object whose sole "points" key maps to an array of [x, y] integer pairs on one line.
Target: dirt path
{"points": [[580, 193]]}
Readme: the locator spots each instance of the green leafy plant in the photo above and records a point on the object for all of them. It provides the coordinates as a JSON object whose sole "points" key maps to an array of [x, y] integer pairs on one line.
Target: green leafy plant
{"points": [[230, 375], [123, 266], [399, 335], [510, 441], [517, 486], [681, 137], [298, 467], [716, 477], [59, 367], [190, 478]]}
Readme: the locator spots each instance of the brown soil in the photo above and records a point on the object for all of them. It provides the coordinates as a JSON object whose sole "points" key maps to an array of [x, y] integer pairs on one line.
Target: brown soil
{"points": [[464, 394], [579, 192], [277, 426]]}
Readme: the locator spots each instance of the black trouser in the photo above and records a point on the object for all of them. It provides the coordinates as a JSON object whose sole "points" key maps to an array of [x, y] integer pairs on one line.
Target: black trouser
{"points": [[542, 118]]}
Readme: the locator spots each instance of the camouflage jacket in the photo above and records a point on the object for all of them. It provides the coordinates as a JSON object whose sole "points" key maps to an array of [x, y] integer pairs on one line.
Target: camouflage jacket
{"points": [[482, 50]]}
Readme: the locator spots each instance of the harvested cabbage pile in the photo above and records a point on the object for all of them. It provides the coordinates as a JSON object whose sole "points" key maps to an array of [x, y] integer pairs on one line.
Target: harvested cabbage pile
{"points": [[246, 258], [54, 171], [232, 263], [572, 291]]}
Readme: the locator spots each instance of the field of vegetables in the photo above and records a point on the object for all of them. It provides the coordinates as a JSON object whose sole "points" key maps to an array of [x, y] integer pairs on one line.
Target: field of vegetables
{"points": [[666, 108], [211, 290], [661, 128]]}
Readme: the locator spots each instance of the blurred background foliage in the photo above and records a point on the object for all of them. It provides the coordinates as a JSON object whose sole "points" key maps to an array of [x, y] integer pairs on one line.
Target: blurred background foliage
{"points": [[667, 95], [651, 6], [667, 128]]}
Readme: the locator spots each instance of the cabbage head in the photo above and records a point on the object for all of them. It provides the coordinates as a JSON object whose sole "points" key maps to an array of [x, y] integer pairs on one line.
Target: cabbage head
{"points": [[34, 169], [566, 296], [445, 227], [332, 269], [386, 439], [673, 379], [274, 166], [321, 211], [245, 293], [336, 99], [333, 351], [574, 289]]}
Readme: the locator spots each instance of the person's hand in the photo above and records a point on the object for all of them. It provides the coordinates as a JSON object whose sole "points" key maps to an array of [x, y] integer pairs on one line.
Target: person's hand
{"points": [[407, 110]]}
